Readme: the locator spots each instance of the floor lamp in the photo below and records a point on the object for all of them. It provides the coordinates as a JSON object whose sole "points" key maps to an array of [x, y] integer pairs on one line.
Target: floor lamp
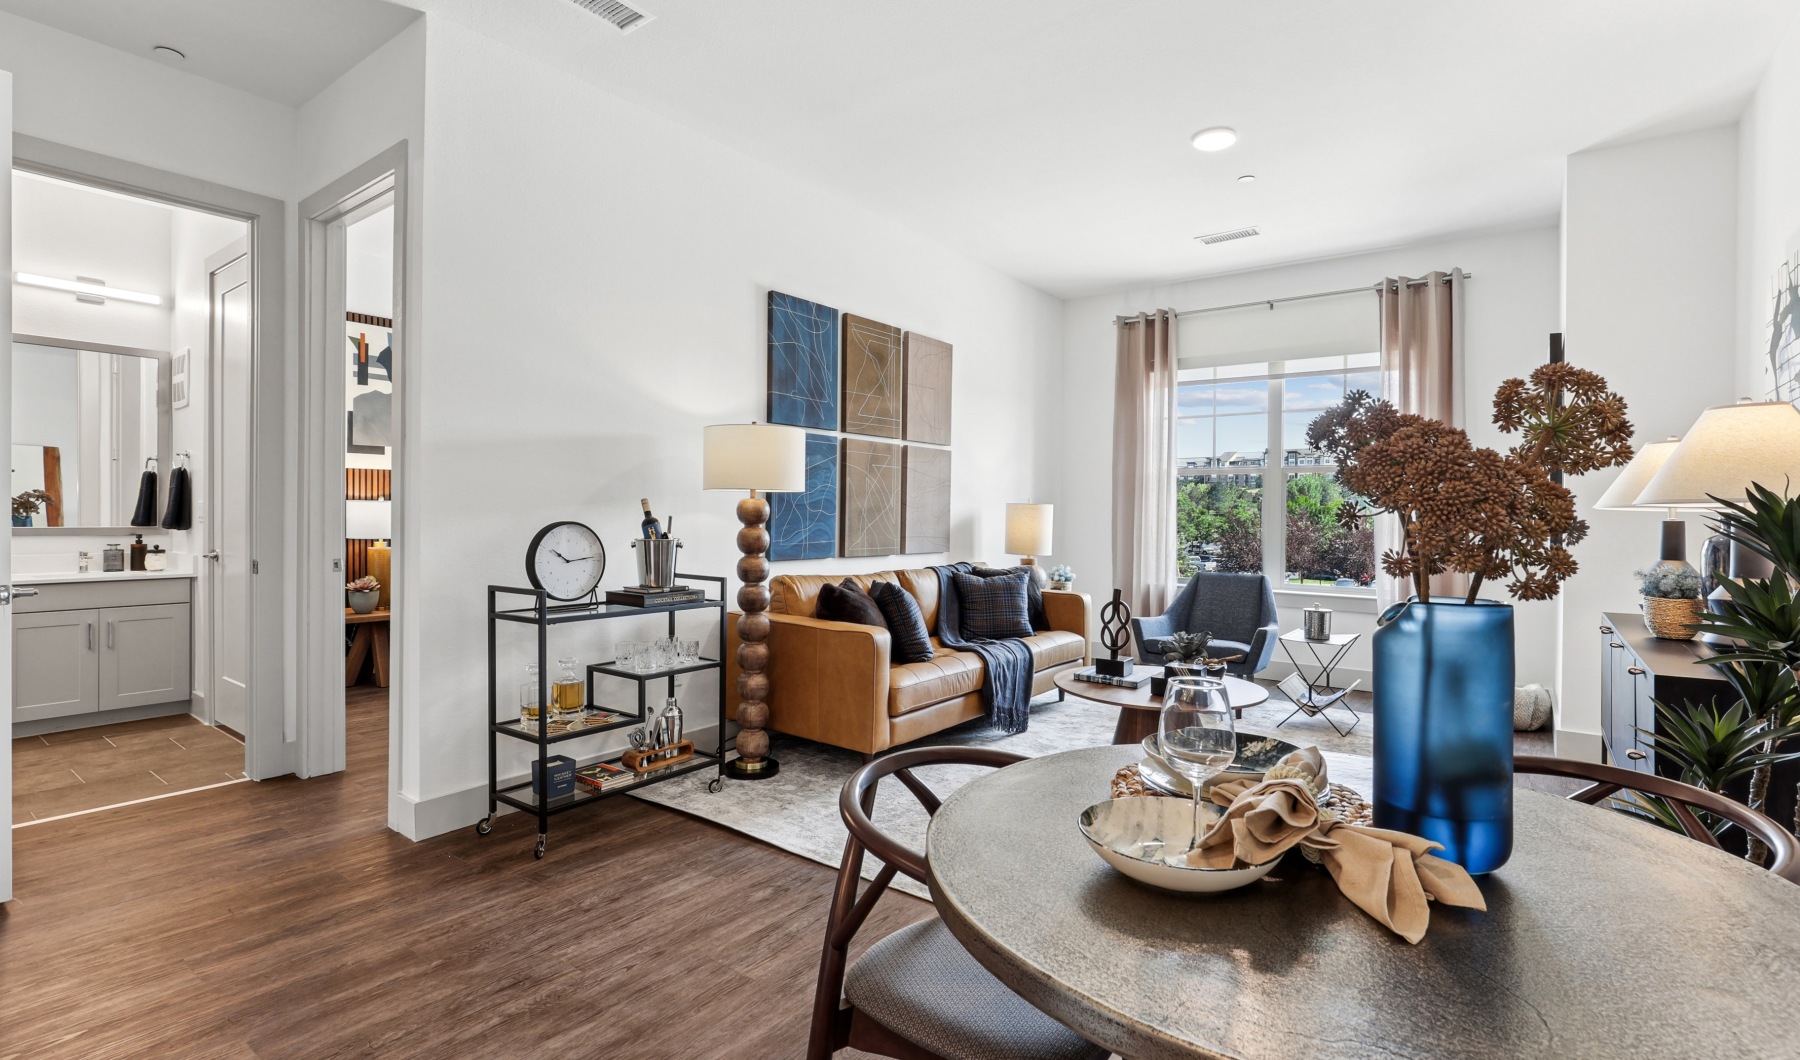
{"points": [[761, 458]]}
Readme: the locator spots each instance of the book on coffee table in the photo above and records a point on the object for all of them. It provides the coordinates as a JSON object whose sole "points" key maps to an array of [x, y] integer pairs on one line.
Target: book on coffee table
{"points": [[1135, 679]]}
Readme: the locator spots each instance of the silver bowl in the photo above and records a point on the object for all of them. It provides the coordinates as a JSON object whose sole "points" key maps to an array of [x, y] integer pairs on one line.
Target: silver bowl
{"points": [[1146, 837]]}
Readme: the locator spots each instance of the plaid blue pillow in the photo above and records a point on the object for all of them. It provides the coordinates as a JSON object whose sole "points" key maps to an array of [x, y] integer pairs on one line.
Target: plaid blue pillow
{"points": [[995, 607], [905, 622]]}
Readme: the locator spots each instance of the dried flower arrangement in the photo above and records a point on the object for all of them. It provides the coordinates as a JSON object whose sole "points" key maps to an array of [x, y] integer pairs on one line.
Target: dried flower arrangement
{"points": [[364, 584], [1482, 512], [29, 502]]}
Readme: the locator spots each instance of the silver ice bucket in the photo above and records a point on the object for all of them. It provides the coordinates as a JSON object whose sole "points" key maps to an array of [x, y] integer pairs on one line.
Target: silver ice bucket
{"points": [[656, 561], [1316, 621]]}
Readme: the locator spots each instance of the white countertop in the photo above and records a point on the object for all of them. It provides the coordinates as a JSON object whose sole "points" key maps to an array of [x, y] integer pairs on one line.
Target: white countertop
{"points": [[58, 577]]}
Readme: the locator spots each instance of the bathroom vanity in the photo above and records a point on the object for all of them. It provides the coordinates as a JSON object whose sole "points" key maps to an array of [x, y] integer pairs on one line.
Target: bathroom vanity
{"points": [[91, 649]]}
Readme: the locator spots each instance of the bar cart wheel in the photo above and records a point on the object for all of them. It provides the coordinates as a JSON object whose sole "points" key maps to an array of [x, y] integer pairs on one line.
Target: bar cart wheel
{"points": [[717, 784], [540, 847], [485, 825]]}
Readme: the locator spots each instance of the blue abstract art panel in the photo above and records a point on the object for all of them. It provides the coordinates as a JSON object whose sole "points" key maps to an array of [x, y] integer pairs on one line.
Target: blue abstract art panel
{"points": [[804, 525], [803, 362]]}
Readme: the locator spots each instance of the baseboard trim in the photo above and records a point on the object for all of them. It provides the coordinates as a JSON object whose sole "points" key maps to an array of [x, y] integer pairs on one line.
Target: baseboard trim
{"points": [[40, 726], [1577, 745]]}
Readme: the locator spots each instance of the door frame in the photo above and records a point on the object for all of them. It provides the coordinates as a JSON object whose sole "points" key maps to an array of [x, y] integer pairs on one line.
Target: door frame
{"points": [[377, 184], [271, 740]]}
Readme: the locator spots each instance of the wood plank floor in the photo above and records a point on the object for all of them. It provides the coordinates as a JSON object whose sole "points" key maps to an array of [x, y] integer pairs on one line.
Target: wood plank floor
{"points": [[283, 919], [85, 769]]}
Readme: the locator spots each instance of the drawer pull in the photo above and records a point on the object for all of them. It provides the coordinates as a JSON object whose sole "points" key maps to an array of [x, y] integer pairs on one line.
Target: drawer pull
{"points": [[1606, 629], [1616, 644], [90, 627], [1637, 671], [109, 636], [1636, 755]]}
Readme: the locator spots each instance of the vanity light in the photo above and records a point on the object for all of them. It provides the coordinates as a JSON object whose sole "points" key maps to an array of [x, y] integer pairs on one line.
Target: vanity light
{"points": [[83, 287]]}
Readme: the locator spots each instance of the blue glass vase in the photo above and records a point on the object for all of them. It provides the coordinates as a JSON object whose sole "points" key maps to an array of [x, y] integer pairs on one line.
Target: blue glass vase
{"points": [[1443, 727]]}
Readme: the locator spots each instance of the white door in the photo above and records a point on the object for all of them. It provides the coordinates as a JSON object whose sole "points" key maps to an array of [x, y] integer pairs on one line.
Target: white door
{"points": [[229, 527], [6, 330]]}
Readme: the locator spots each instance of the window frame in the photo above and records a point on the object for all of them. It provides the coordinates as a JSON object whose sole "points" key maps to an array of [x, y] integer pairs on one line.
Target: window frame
{"points": [[1275, 475]]}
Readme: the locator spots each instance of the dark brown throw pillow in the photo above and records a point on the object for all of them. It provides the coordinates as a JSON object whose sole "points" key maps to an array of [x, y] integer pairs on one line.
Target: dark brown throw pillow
{"points": [[846, 602], [911, 640]]}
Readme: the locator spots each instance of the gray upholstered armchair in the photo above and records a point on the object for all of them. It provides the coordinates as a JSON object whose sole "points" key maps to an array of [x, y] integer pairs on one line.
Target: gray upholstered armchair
{"points": [[1239, 610]]}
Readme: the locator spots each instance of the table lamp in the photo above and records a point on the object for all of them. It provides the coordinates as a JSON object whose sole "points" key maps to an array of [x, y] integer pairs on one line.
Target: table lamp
{"points": [[1028, 530], [373, 521], [761, 458], [1622, 496], [1728, 448]]}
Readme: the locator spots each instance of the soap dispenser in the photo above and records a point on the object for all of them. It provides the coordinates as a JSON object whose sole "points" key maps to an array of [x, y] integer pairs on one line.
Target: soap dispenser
{"points": [[137, 552], [156, 559]]}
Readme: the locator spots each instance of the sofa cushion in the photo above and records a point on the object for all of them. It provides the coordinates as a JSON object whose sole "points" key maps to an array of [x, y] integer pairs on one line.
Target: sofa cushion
{"points": [[994, 607], [911, 640], [946, 675], [849, 602], [1054, 648], [1034, 596]]}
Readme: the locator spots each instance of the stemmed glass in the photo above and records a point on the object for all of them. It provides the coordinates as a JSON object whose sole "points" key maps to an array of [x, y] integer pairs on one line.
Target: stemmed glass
{"points": [[1197, 736]]}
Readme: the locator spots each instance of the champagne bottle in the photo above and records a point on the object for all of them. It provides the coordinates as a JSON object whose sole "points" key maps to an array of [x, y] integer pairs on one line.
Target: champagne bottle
{"points": [[652, 528]]}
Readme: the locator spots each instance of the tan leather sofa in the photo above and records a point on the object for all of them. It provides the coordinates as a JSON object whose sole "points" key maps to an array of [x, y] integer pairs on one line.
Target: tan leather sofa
{"points": [[833, 682]]}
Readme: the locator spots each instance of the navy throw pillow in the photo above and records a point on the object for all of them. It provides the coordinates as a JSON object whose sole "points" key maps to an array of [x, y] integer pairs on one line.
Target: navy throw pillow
{"points": [[912, 641], [846, 602], [1034, 597], [995, 607]]}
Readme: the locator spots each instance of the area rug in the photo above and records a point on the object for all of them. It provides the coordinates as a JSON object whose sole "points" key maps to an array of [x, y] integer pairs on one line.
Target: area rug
{"points": [[797, 810]]}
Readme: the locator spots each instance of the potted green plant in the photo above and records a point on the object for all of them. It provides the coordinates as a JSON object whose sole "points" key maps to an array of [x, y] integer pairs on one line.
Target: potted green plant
{"points": [[1444, 665], [363, 594], [1670, 600]]}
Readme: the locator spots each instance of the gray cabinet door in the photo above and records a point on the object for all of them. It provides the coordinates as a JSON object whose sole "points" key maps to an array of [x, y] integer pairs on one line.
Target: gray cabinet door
{"points": [[55, 664], [144, 655]]}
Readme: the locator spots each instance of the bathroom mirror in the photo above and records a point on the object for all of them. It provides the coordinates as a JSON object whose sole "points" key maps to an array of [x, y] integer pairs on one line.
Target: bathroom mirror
{"points": [[86, 420]]}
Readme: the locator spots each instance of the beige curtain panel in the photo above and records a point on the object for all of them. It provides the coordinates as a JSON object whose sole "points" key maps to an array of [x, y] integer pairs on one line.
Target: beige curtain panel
{"points": [[1144, 461], [1421, 373]]}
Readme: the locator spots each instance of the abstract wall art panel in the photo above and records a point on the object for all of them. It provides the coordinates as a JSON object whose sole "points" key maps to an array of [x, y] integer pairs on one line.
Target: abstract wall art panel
{"points": [[927, 390], [870, 500], [368, 418], [803, 363], [927, 499], [805, 525], [872, 378]]}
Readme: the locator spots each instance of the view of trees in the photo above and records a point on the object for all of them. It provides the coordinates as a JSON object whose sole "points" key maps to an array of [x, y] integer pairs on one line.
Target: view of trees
{"points": [[1218, 524]]}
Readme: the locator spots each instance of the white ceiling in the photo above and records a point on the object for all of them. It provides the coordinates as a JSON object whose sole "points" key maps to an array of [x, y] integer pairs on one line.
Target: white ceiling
{"points": [[1050, 137], [284, 50]]}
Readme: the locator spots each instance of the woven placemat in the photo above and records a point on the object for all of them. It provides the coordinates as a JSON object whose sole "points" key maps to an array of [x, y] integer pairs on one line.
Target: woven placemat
{"points": [[1347, 804]]}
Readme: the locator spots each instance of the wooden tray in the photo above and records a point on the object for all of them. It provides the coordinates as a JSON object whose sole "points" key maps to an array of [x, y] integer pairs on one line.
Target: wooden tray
{"points": [[636, 760]]}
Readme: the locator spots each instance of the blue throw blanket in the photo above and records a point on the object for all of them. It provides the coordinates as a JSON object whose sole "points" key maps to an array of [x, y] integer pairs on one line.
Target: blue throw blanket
{"points": [[1006, 668]]}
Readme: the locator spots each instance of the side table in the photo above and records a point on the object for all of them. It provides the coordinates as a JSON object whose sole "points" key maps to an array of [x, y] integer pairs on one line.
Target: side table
{"points": [[1318, 693]]}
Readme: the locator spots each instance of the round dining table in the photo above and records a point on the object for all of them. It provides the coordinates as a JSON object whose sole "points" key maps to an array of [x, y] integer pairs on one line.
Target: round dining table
{"points": [[1604, 936]]}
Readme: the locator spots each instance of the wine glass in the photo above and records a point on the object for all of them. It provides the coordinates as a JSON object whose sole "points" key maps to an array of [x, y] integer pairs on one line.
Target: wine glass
{"points": [[1197, 736]]}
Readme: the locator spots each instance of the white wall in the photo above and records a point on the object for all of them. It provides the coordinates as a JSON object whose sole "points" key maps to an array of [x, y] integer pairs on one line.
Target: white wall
{"points": [[1510, 310], [64, 231], [1768, 223], [1650, 255], [589, 313]]}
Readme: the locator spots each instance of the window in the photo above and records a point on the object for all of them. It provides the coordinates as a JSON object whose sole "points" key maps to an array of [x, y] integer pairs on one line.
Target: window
{"points": [[1231, 418]]}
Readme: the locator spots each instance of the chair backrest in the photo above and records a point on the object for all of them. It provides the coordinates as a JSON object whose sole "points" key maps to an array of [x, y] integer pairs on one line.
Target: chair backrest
{"points": [[1228, 605], [1682, 799], [848, 910]]}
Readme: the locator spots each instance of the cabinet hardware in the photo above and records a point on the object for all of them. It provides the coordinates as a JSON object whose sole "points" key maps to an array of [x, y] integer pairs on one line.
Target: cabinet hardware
{"points": [[1635, 671], [1636, 755], [1606, 629], [109, 637], [1616, 644], [90, 627]]}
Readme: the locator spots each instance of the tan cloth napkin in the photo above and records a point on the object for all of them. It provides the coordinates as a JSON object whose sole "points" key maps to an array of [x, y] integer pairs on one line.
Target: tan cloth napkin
{"points": [[1392, 876]]}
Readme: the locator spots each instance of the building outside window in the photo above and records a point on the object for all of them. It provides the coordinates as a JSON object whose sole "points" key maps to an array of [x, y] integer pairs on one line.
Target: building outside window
{"points": [[1239, 510]]}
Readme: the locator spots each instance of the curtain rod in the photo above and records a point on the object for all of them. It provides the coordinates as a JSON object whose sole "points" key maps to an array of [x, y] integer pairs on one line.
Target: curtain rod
{"points": [[1272, 302]]}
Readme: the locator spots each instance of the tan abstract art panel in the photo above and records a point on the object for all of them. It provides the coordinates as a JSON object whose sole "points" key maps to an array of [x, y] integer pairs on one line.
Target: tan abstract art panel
{"points": [[872, 378], [869, 500], [927, 390], [927, 499]]}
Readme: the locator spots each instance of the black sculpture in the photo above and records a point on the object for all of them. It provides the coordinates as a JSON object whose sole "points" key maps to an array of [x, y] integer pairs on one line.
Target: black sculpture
{"points": [[1115, 635]]}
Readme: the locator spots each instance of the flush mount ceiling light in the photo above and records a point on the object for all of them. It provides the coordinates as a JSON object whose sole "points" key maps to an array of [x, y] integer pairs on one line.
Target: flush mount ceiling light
{"points": [[1247, 178], [163, 51], [1217, 138], [87, 290]]}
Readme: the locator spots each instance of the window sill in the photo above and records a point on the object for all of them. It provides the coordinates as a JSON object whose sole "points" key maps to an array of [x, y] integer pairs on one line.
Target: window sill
{"points": [[1336, 599]]}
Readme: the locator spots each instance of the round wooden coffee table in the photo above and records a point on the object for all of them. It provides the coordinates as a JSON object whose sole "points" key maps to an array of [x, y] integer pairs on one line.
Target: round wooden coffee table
{"points": [[1138, 710]]}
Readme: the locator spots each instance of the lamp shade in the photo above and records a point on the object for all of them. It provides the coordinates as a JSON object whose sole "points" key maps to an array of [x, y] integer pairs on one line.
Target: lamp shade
{"points": [[1728, 448], [1622, 495], [755, 456], [368, 520], [1028, 528]]}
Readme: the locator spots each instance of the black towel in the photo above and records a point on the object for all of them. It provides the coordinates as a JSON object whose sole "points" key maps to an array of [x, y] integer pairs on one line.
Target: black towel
{"points": [[180, 515], [146, 505]]}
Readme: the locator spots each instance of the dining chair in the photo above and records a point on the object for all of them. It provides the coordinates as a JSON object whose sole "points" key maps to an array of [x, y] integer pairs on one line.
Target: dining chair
{"points": [[1682, 799], [917, 994]]}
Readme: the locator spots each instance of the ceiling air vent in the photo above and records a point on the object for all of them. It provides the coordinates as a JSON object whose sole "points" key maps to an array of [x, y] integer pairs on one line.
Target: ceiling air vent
{"points": [[1226, 237], [624, 17]]}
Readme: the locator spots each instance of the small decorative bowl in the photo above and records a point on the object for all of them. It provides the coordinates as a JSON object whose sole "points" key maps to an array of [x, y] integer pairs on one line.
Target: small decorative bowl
{"points": [[1132, 835]]}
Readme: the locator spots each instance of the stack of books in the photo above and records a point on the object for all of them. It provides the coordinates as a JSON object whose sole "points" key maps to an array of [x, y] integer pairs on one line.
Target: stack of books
{"points": [[1135, 679], [604, 775]]}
